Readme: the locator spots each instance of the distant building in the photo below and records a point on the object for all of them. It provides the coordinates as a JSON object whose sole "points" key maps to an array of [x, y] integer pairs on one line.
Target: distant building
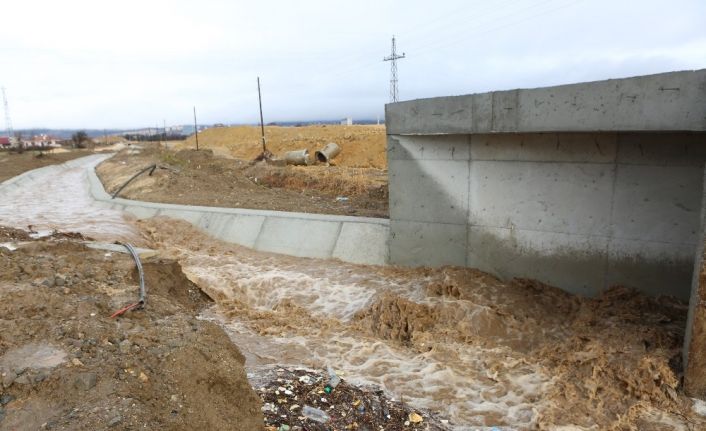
{"points": [[41, 141], [5, 142], [348, 121]]}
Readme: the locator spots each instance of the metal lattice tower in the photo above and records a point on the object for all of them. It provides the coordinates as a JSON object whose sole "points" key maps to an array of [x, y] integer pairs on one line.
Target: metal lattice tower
{"points": [[394, 92], [8, 121]]}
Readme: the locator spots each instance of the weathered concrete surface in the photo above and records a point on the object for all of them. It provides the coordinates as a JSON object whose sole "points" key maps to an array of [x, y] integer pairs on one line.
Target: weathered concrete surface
{"points": [[352, 239], [663, 102], [582, 211], [695, 337]]}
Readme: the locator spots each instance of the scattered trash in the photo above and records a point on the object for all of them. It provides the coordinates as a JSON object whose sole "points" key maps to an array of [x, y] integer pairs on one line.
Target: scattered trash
{"points": [[333, 380], [341, 199], [315, 414], [326, 154], [348, 407]]}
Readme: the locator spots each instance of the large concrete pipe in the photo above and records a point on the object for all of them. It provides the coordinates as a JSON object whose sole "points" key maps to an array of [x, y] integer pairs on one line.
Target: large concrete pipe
{"points": [[299, 157], [327, 154]]}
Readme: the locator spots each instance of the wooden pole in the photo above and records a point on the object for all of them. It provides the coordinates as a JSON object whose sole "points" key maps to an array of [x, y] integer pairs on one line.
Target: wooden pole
{"points": [[262, 123], [196, 129]]}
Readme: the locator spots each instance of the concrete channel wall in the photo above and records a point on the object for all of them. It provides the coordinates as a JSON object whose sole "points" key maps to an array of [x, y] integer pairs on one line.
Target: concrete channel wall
{"points": [[351, 239], [581, 186]]}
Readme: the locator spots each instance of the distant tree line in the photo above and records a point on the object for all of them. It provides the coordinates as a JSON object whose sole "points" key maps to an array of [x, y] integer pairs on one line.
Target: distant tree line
{"points": [[154, 138]]}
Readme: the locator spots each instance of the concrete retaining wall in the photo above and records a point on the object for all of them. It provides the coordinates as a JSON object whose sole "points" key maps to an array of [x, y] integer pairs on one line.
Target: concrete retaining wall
{"points": [[598, 198], [352, 239], [580, 211]]}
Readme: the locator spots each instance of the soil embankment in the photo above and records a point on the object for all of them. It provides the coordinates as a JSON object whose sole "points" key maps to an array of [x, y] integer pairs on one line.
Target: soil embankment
{"points": [[66, 364], [14, 163], [200, 178]]}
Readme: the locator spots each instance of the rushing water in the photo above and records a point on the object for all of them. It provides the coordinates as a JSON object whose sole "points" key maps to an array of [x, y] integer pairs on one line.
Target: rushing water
{"points": [[457, 346], [57, 197]]}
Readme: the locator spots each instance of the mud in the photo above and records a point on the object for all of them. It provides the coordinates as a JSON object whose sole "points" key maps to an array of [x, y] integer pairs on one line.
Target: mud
{"points": [[65, 364], [457, 341]]}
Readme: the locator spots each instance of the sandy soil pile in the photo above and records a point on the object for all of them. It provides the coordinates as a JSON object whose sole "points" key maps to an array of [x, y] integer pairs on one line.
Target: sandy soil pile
{"points": [[361, 146], [198, 178], [459, 341], [12, 163], [65, 364]]}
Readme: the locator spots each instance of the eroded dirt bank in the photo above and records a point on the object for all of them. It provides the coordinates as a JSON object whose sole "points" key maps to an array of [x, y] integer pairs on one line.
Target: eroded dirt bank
{"points": [[199, 178], [65, 364], [479, 351]]}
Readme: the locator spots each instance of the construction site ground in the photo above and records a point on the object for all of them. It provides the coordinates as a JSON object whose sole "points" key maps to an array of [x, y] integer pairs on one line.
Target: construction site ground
{"points": [[362, 146], [201, 178], [232, 338]]}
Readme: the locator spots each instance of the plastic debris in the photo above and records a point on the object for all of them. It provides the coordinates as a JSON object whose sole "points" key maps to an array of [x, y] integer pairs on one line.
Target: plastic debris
{"points": [[415, 418], [333, 380], [315, 414]]}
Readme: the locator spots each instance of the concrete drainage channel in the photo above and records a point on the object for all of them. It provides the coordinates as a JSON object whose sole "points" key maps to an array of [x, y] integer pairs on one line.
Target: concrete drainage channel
{"points": [[362, 240]]}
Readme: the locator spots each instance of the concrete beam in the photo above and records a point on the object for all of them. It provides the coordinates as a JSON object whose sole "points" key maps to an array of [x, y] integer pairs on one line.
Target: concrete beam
{"points": [[674, 101]]}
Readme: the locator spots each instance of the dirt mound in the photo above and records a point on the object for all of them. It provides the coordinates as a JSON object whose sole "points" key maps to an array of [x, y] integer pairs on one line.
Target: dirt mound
{"points": [[200, 178], [166, 279], [160, 367], [361, 146]]}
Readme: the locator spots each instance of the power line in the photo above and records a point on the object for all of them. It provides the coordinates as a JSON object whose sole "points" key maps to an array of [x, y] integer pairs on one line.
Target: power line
{"points": [[394, 91]]}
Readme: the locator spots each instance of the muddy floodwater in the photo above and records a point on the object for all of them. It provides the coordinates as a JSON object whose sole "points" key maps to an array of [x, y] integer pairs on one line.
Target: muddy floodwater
{"points": [[57, 197], [475, 350]]}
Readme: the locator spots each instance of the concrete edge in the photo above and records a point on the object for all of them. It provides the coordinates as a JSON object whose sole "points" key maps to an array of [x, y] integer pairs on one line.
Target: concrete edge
{"points": [[361, 240], [672, 101]]}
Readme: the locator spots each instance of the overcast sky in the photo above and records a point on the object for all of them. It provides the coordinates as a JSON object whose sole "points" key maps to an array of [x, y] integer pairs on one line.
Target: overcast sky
{"points": [[96, 64]]}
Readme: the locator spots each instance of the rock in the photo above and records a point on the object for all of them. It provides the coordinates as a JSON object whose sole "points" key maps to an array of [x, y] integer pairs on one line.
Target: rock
{"points": [[85, 381], [59, 280], [6, 399], [125, 346], [2, 414], [115, 421], [24, 379], [8, 379], [41, 376], [143, 377], [48, 282]]}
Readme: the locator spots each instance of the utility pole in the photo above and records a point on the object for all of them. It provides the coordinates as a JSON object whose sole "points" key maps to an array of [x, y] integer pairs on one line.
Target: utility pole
{"points": [[196, 129], [8, 121], [262, 123], [393, 57]]}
